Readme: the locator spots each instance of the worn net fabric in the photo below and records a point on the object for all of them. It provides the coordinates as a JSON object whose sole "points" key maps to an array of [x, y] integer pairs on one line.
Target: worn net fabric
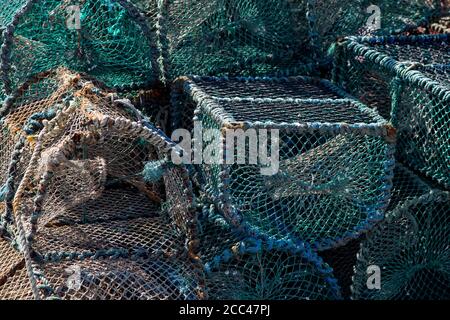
{"points": [[152, 238], [407, 80], [108, 39], [23, 113], [248, 269], [82, 195], [330, 186], [410, 247], [233, 36], [14, 282]]}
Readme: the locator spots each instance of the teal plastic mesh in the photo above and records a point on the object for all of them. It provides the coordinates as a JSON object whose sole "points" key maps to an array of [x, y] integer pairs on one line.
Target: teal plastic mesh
{"points": [[337, 18], [343, 261], [87, 223], [238, 268], [410, 247], [109, 39], [407, 80], [232, 36], [335, 157]]}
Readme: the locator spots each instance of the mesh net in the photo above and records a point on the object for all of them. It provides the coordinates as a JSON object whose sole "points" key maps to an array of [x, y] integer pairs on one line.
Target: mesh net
{"points": [[82, 194], [337, 18], [246, 269], [233, 36], [407, 80], [329, 184], [343, 260], [108, 39], [410, 247]]}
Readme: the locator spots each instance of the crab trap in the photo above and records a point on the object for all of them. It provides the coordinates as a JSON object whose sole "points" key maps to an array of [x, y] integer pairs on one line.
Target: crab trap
{"points": [[289, 158], [94, 212], [240, 268], [109, 39], [407, 80], [410, 248]]}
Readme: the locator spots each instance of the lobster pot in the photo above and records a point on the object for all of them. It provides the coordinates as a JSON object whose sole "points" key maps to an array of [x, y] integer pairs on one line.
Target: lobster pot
{"points": [[38, 100], [14, 283], [407, 80], [110, 40], [409, 250], [233, 37], [289, 158], [343, 260], [99, 213], [240, 268]]}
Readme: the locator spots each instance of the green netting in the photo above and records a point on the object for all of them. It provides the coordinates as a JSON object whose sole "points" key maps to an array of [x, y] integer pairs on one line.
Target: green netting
{"points": [[407, 80], [233, 36], [78, 200], [108, 39], [410, 248], [240, 268], [332, 179], [337, 18]]}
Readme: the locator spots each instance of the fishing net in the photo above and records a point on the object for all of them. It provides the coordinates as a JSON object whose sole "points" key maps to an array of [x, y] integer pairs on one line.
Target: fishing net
{"points": [[14, 282], [248, 269], [94, 216], [441, 26], [109, 39], [323, 165], [407, 80], [410, 248], [337, 18], [233, 36]]}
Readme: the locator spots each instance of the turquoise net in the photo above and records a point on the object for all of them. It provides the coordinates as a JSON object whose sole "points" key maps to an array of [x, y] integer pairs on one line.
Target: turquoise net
{"points": [[410, 248], [109, 39], [407, 80], [332, 179], [238, 268]]}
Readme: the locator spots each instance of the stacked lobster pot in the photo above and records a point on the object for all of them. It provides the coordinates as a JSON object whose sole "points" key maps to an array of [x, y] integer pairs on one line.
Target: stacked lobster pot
{"points": [[91, 210], [407, 80]]}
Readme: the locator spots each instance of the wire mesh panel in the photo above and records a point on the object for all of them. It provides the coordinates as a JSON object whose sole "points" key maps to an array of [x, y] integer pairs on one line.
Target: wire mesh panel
{"points": [[109, 39], [239, 268], [411, 248], [407, 80], [325, 176]]}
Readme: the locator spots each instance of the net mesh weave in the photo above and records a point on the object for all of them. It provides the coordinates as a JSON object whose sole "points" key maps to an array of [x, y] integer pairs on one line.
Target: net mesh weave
{"points": [[407, 80], [109, 39], [83, 205], [335, 158], [249, 269], [410, 247]]}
